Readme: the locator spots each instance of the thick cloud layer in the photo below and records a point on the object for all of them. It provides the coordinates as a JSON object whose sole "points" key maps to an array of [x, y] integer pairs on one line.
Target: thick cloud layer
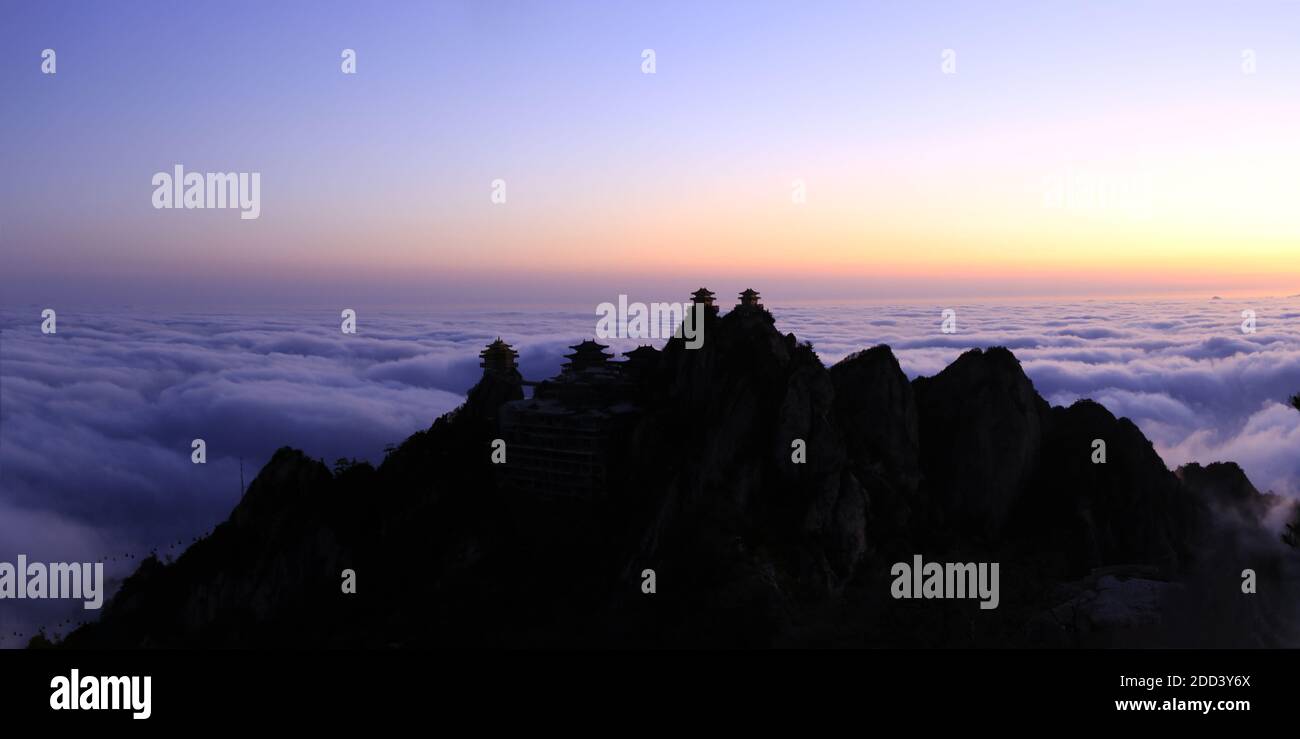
{"points": [[96, 421]]}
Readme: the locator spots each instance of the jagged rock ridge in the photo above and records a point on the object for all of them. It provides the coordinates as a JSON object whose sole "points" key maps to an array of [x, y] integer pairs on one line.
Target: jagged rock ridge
{"points": [[694, 478]]}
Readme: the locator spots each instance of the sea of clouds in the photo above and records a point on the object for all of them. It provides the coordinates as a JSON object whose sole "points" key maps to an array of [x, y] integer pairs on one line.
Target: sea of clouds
{"points": [[96, 421]]}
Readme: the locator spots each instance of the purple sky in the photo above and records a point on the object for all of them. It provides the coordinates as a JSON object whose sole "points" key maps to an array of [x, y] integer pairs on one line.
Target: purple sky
{"points": [[1077, 148]]}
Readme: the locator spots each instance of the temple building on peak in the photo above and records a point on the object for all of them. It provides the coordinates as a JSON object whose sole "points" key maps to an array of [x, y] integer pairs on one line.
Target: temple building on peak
{"points": [[587, 355], [498, 357], [640, 363], [641, 356], [749, 299], [750, 307], [556, 440], [705, 296], [559, 440]]}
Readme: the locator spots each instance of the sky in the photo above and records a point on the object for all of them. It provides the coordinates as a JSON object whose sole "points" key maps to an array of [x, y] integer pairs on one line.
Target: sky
{"points": [[892, 150]]}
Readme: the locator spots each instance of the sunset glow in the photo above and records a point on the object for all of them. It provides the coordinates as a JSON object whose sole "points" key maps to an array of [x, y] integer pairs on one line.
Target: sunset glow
{"points": [[1078, 159]]}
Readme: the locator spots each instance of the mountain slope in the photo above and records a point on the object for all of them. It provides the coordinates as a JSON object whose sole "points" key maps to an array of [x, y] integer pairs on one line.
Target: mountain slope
{"points": [[750, 546]]}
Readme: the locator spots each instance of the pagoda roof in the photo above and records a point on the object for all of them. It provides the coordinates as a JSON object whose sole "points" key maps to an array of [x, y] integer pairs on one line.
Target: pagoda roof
{"points": [[749, 293], [703, 293], [590, 346], [589, 350], [645, 351], [498, 348]]}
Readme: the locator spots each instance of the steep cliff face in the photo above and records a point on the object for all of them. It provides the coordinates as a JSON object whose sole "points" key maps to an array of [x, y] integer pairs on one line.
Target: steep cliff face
{"points": [[1101, 495], [876, 411], [768, 493], [981, 432], [275, 557], [1225, 487], [753, 507], [876, 408]]}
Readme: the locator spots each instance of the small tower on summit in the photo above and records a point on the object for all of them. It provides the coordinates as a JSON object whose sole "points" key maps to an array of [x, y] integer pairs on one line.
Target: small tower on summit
{"points": [[704, 296], [749, 299], [586, 355], [500, 384], [498, 357]]}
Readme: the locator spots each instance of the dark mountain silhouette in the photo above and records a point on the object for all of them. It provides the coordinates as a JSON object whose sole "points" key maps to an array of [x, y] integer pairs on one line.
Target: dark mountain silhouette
{"points": [[680, 461], [1292, 535]]}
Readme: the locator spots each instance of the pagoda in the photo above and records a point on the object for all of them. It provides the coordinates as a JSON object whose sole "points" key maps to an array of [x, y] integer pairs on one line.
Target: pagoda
{"points": [[587, 355], [705, 297], [498, 357], [749, 299], [642, 354]]}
